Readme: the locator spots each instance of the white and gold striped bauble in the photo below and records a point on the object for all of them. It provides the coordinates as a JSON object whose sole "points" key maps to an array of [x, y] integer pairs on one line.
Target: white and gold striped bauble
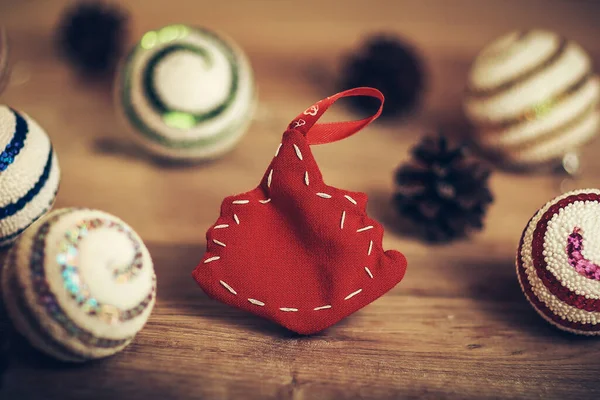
{"points": [[29, 173], [186, 93], [79, 284], [532, 97]]}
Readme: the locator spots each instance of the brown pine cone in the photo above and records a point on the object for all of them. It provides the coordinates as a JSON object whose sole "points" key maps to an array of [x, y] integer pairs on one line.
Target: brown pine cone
{"points": [[388, 64], [442, 191], [92, 36]]}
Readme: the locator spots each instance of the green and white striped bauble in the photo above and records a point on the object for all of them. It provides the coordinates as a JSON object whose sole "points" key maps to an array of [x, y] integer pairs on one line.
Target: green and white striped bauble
{"points": [[186, 93]]}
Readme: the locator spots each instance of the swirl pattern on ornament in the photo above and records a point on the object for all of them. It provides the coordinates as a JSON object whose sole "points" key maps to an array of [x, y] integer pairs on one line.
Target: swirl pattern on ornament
{"points": [[68, 259], [577, 260]]}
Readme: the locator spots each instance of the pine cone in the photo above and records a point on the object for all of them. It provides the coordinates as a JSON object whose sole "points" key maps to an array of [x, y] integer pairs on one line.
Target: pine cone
{"points": [[389, 65], [92, 36], [442, 191]]}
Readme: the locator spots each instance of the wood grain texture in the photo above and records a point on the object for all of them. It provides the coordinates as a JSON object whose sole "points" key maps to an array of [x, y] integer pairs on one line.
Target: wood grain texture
{"points": [[457, 326]]}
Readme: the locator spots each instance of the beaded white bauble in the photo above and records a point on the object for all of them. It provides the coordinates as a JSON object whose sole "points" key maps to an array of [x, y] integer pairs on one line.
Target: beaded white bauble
{"points": [[29, 173], [532, 97], [558, 262], [79, 284], [186, 93]]}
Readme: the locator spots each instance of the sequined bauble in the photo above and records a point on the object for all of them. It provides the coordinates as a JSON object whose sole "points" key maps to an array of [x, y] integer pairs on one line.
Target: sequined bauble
{"points": [[186, 93], [532, 97], [79, 284], [558, 262], [29, 173]]}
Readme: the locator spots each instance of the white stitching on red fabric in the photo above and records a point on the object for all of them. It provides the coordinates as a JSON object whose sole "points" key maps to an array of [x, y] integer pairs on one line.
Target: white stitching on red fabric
{"points": [[320, 194]]}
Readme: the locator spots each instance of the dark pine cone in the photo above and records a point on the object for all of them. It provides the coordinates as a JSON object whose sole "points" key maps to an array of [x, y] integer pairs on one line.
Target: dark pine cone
{"points": [[442, 191], [92, 36], [389, 65]]}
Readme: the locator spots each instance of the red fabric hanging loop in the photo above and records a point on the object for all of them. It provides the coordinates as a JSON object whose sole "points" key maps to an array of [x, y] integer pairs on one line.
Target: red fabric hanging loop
{"points": [[333, 131]]}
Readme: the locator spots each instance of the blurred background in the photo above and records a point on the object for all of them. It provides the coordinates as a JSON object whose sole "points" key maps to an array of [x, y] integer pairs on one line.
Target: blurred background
{"points": [[297, 50]]}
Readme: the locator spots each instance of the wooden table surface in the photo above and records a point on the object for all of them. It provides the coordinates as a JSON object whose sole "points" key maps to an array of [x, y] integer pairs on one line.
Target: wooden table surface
{"points": [[457, 326]]}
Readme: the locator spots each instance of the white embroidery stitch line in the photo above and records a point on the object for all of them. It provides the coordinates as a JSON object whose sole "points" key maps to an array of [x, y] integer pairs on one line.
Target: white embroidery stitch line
{"points": [[264, 201], [278, 148], [351, 295], [237, 220], [241, 202], [298, 153], [215, 241], [350, 199], [343, 219], [322, 308], [288, 309], [226, 286], [369, 272], [306, 178], [221, 226], [370, 248], [211, 259], [256, 302], [270, 178], [324, 195], [366, 228]]}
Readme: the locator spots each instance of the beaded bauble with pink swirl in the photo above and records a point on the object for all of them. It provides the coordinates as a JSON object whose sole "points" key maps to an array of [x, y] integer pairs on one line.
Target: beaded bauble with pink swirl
{"points": [[558, 262]]}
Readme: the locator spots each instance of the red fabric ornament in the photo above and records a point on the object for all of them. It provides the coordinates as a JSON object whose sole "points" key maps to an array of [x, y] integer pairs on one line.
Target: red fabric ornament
{"points": [[294, 250]]}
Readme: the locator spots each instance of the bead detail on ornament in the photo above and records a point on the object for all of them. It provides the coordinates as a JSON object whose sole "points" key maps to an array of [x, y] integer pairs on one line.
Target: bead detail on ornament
{"points": [[13, 148], [13, 208], [577, 260]]}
